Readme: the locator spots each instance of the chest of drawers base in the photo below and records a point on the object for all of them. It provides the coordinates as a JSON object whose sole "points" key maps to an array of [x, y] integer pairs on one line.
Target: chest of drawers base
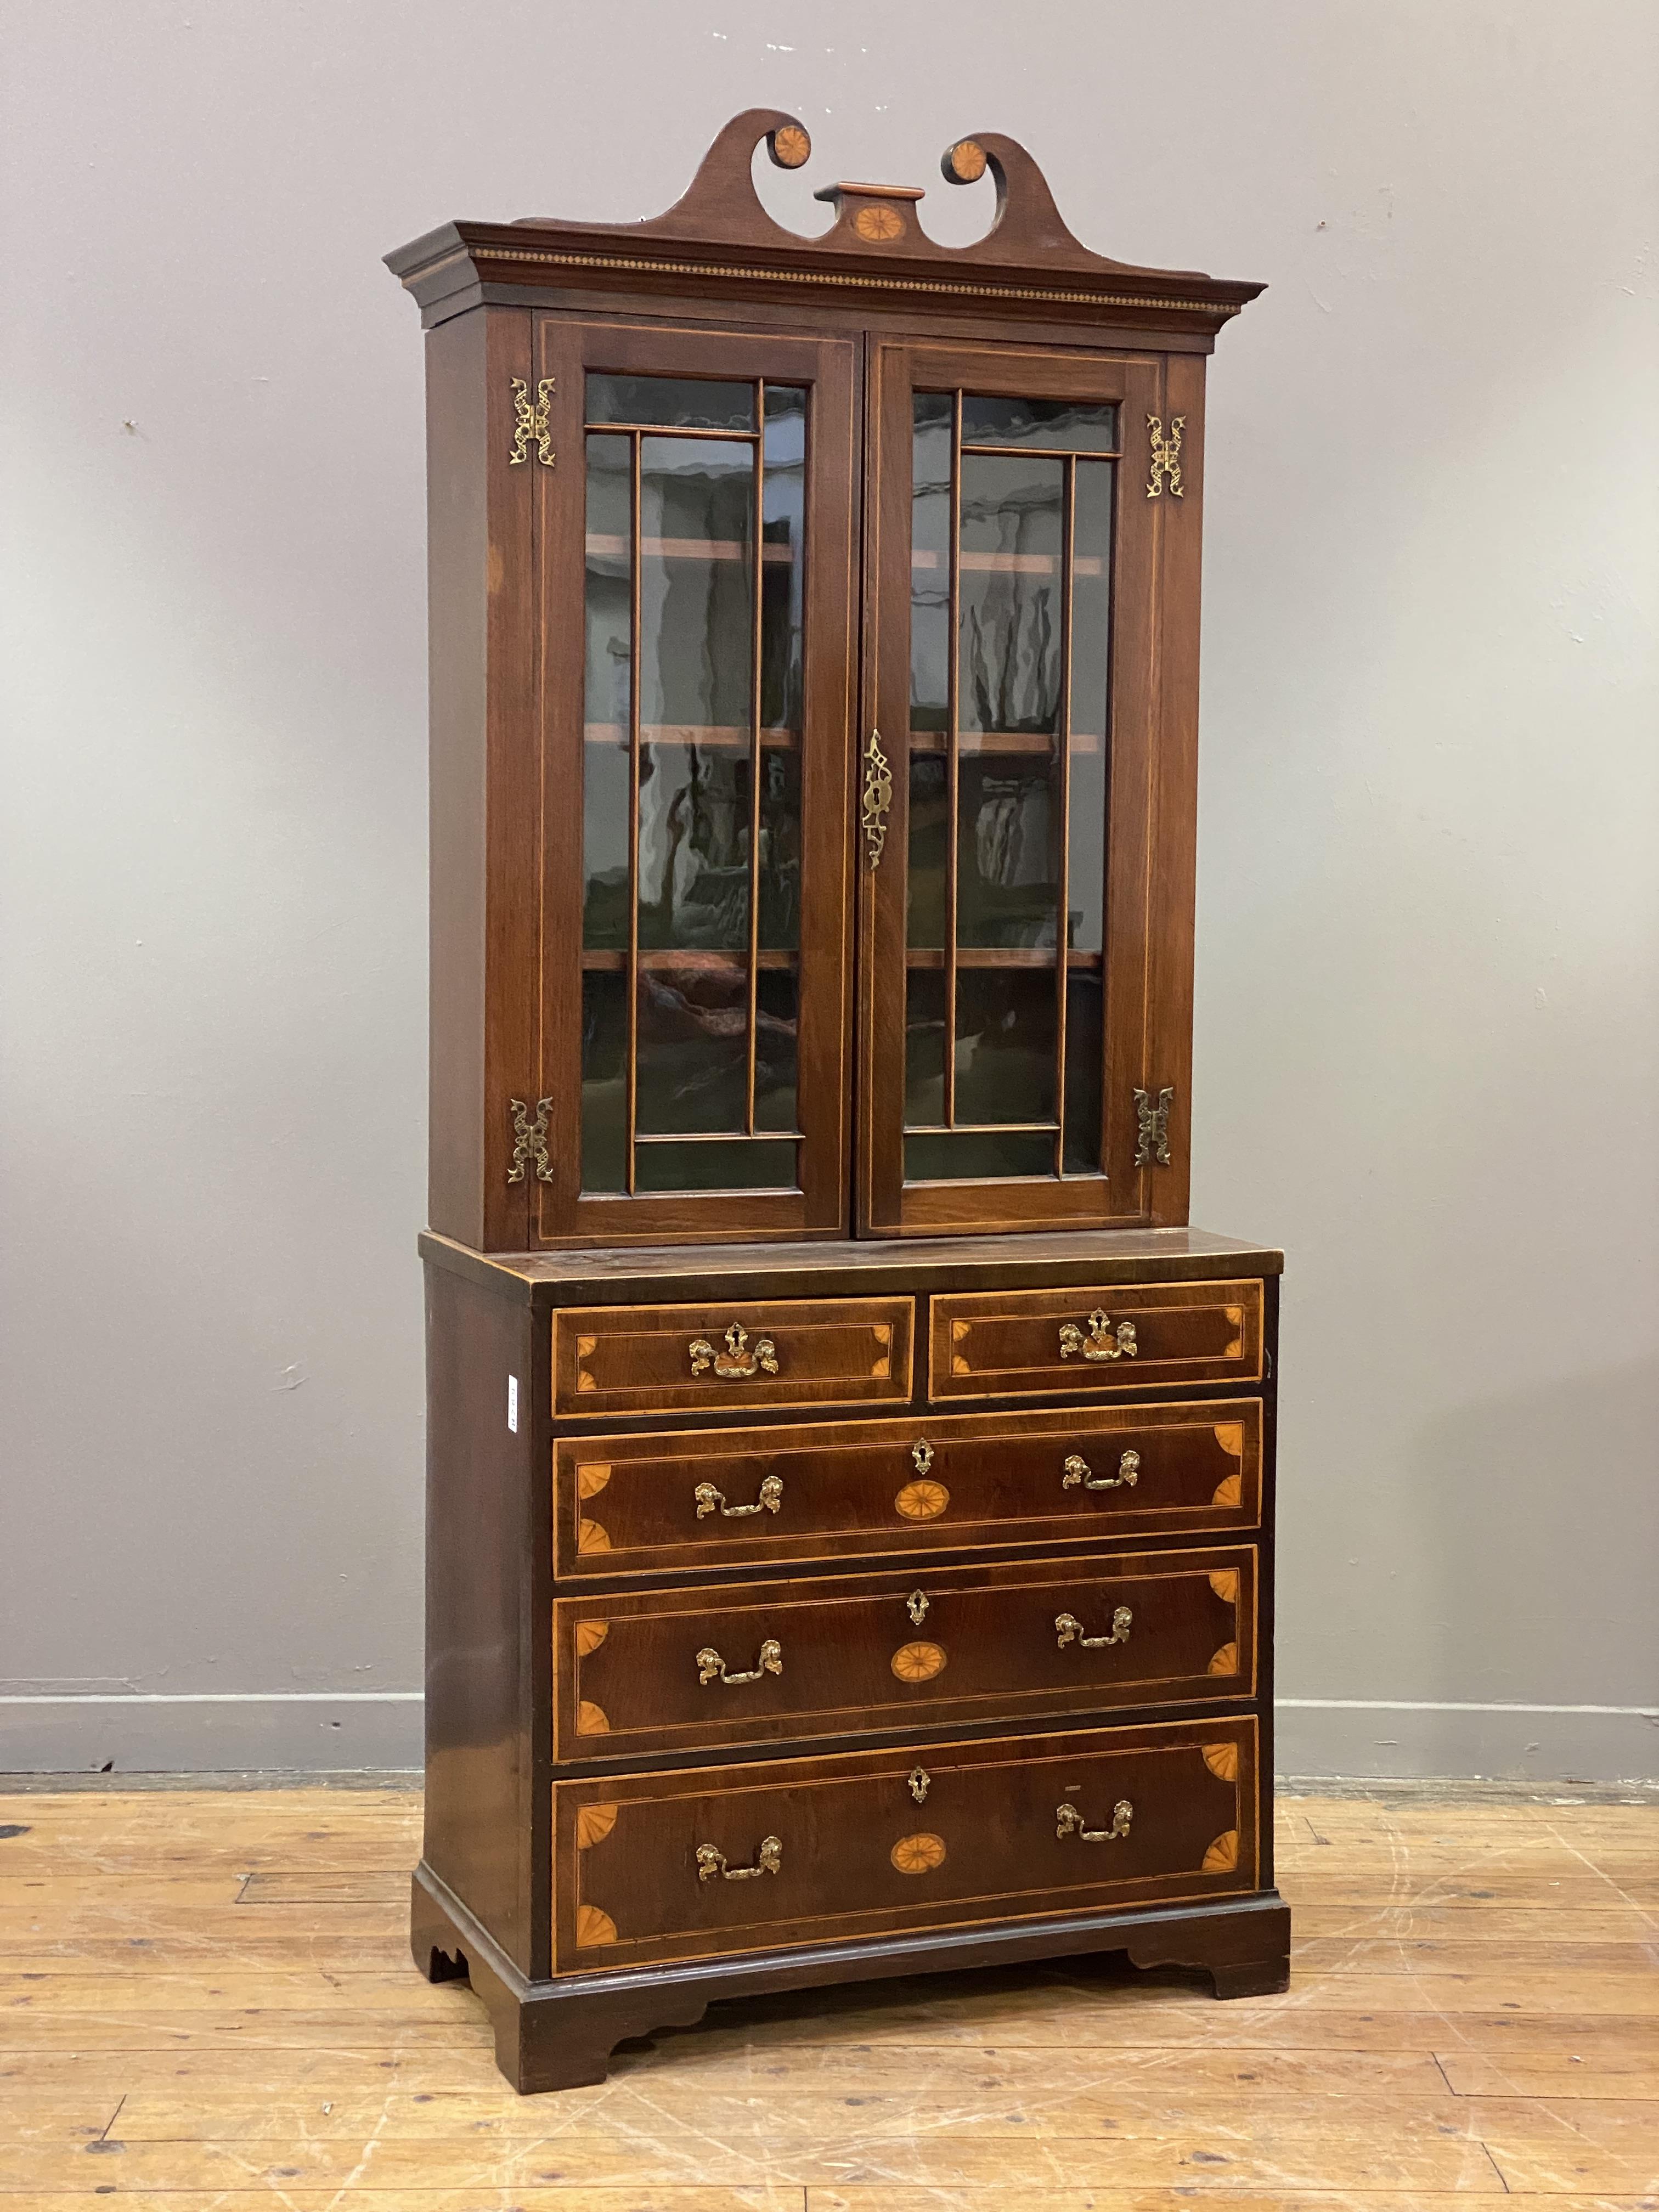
{"points": [[813, 1614]]}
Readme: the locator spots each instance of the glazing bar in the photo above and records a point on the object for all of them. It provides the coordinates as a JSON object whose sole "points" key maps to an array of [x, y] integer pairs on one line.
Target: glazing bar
{"points": [[635, 520]]}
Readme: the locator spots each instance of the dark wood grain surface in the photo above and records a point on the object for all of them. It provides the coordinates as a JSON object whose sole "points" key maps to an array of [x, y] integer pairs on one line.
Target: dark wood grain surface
{"points": [[684, 1502], [986, 1344], [911, 1648], [802, 1606], [632, 1888], [1081, 1257], [719, 239], [822, 1353]]}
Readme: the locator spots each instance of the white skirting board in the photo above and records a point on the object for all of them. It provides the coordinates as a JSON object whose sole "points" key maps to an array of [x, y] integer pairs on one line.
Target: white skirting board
{"points": [[1356, 1739], [318, 1732]]}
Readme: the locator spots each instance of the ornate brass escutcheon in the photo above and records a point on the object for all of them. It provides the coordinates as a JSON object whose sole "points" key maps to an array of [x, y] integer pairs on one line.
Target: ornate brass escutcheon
{"points": [[917, 1606], [878, 797], [1152, 1127], [1163, 455], [1076, 1469], [736, 1363], [529, 1140], [711, 1668], [710, 1500], [921, 1457], [920, 1781], [1097, 1338], [1068, 1629], [1068, 1821], [531, 421], [769, 1859]]}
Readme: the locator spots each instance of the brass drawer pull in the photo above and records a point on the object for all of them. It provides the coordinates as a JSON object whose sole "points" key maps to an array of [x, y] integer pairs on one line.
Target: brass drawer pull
{"points": [[736, 1363], [767, 1860], [1068, 1629], [710, 1500], [1078, 1469], [1101, 1341], [1068, 1821], [711, 1668]]}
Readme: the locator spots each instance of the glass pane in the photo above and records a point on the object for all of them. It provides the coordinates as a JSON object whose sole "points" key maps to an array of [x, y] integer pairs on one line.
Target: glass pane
{"points": [[1092, 630], [1082, 1073], [691, 1042], [739, 1164], [1005, 1026], [604, 1058], [924, 1048], [1008, 810], [1058, 425], [954, 1154], [779, 850], [696, 654], [608, 692], [783, 550], [670, 402], [1008, 849], [1012, 522], [777, 1014], [930, 561], [782, 564], [929, 804]]}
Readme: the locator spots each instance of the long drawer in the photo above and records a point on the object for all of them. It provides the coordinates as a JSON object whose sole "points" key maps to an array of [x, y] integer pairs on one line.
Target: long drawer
{"points": [[995, 1343], [762, 1662], [652, 1867], [614, 1360], [684, 1502]]}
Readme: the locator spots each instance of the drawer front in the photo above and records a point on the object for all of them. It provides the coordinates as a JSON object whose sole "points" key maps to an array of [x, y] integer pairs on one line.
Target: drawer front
{"points": [[765, 1662], [716, 1497], [651, 1868], [609, 1360], [995, 1344]]}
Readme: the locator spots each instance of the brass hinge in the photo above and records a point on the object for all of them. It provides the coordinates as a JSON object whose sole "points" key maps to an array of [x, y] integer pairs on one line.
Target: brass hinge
{"points": [[532, 422], [529, 1140], [1152, 1127], [1165, 456]]}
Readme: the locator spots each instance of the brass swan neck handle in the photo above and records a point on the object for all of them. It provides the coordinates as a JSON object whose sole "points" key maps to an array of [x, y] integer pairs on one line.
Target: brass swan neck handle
{"points": [[711, 1864], [1068, 1821], [1076, 1469], [1068, 1629], [711, 1668], [709, 1500]]}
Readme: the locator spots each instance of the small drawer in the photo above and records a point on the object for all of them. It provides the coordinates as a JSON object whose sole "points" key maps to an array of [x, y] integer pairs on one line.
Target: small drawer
{"points": [[763, 1663], [649, 1359], [995, 1344], [695, 1499], [728, 1860]]}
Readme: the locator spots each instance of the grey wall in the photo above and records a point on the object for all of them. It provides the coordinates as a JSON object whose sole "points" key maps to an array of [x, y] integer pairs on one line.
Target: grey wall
{"points": [[1427, 947]]}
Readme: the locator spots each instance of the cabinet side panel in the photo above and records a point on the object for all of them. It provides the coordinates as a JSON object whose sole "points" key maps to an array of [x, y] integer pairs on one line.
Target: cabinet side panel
{"points": [[479, 1585], [1174, 799], [457, 550], [480, 648]]}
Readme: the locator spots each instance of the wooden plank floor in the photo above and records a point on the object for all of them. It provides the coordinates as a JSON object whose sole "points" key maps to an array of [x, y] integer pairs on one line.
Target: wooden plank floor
{"points": [[209, 2007]]}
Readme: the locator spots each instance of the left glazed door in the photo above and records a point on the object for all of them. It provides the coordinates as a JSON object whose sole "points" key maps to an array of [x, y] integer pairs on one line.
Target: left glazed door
{"points": [[695, 546]]}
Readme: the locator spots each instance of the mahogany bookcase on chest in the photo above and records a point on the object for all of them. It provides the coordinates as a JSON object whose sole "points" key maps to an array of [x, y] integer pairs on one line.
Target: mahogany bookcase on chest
{"points": [[850, 1481]]}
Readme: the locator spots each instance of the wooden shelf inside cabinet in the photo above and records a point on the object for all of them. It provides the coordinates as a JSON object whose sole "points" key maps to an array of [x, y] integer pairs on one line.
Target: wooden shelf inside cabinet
{"points": [[851, 1482]]}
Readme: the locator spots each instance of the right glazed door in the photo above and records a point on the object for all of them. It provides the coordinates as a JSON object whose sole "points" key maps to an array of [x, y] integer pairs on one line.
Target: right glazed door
{"points": [[1008, 786]]}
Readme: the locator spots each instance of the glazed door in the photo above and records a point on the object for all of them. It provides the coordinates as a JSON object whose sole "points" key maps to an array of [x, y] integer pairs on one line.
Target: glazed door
{"points": [[696, 553], [1010, 898]]}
